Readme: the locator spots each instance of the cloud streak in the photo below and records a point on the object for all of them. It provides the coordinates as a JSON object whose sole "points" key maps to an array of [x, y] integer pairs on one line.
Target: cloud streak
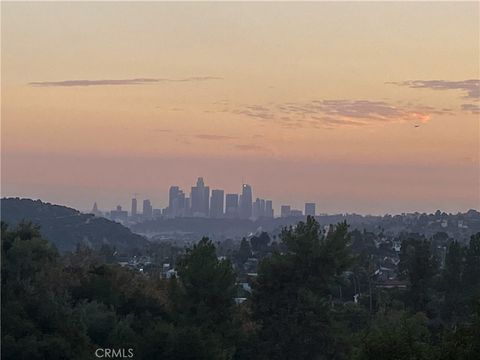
{"points": [[470, 88], [120, 82], [336, 113], [214, 137], [471, 108]]}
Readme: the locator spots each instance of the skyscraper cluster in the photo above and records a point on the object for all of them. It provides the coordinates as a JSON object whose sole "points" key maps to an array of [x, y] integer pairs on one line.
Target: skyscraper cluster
{"points": [[204, 203], [216, 204]]}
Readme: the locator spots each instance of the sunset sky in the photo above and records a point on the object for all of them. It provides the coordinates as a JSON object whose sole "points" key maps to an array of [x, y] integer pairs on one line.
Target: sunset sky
{"points": [[360, 107]]}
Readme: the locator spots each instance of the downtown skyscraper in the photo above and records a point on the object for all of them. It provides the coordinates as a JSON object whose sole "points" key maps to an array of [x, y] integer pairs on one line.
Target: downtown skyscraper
{"points": [[216, 204], [246, 202], [200, 198]]}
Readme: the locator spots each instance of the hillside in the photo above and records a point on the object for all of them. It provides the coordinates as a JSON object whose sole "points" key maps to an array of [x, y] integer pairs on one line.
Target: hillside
{"points": [[66, 227]]}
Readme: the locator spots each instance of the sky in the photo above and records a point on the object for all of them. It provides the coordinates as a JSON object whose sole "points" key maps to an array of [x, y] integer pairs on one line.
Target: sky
{"points": [[368, 107]]}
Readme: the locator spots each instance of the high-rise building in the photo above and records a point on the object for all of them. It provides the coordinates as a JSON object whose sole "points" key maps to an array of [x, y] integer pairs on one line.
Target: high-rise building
{"points": [[147, 209], [134, 207], [285, 211], [216, 204], [200, 197], [296, 213], [119, 214], [258, 209], [246, 202], [268, 209], [309, 209], [188, 207], [231, 205], [176, 202]]}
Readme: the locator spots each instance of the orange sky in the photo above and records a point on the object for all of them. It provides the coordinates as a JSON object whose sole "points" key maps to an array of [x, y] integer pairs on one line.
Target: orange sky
{"points": [[361, 107]]}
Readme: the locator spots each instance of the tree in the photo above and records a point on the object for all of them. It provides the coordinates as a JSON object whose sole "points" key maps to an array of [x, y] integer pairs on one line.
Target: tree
{"points": [[35, 303], [418, 265], [244, 252], [260, 242], [397, 336], [452, 280], [290, 299], [472, 263], [203, 302]]}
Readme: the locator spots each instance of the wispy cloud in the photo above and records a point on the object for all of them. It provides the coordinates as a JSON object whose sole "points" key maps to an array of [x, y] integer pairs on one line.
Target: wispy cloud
{"points": [[472, 108], [250, 147], [214, 137], [110, 82], [470, 88], [336, 113], [255, 111]]}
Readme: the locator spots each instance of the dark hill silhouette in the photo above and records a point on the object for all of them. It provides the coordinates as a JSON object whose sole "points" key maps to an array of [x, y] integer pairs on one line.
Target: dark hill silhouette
{"points": [[66, 227]]}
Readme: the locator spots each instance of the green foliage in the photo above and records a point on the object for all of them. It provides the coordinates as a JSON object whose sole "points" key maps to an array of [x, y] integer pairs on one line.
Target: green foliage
{"points": [[290, 298], [397, 336], [35, 303], [244, 252], [66, 227], [65, 307], [202, 300], [419, 266]]}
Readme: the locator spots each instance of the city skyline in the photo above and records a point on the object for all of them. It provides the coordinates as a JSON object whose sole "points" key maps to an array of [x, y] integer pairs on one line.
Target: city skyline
{"points": [[359, 107], [200, 202]]}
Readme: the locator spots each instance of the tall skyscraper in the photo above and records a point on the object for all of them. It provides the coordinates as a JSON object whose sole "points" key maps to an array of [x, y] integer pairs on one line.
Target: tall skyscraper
{"points": [[285, 211], [231, 205], [134, 207], [176, 202], [188, 207], [258, 209], [246, 202], [310, 209], [268, 209], [216, 204], [147, 209], [200, 197]]}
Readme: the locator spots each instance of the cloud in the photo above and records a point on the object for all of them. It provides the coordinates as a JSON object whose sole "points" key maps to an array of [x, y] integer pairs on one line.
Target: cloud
{"points": [[337, 113], [110, 82], [255, 111], [214, 137], [472, 108], [250, 147], [471, 87]]}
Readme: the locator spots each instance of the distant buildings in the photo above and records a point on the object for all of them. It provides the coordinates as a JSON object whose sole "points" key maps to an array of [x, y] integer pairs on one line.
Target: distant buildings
{"points": [[231, 206], [269, 209], [309, 209], [202, 203], [119, 215], [147, 209], [95, 210], [134, 208], [258, 208], [285, 211], [176, 202], [296, 213], [200, 196], [262, 209], [216, 204], [246, 202]]}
